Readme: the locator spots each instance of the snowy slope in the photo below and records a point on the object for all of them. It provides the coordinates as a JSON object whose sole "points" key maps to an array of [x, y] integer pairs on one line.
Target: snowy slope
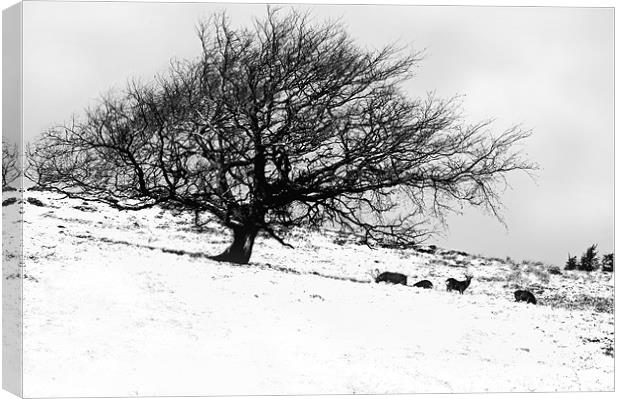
{"points": [[126, 303]]}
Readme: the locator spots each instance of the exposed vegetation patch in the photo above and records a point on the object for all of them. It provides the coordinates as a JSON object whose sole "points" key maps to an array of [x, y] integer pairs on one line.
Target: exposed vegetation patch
{"points": [[580, 302], [34, 201], [493, 279], [9, 201], [85, 208], [607, 344], [25, 276]]}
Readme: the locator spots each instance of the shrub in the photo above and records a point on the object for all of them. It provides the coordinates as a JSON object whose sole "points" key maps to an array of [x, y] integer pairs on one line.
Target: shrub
{"points": [[608, 262], [555, 270], [85, 208], [34, 201], [450, 252], [9, 201], [431, 249]]}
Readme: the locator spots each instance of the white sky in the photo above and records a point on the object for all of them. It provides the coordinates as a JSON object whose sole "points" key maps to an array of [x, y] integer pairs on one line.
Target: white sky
{"points": [[548, 69]]}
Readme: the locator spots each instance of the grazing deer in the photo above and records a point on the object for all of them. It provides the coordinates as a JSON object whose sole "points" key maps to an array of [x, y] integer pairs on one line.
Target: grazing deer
{"points": [[390, 277], [424, 284], [524, 296], [460, 286]]}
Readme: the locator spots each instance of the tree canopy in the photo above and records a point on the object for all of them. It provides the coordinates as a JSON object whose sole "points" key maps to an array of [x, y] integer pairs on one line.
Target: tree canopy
{"points": [[284, 123]]}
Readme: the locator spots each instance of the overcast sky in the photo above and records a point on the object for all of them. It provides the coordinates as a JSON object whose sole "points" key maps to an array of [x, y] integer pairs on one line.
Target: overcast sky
{"points": [[548, 69]]}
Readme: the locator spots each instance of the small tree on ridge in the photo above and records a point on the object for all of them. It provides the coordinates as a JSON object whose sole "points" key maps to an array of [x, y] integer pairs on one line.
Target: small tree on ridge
{"points": [[571, 263], [589, 260]]}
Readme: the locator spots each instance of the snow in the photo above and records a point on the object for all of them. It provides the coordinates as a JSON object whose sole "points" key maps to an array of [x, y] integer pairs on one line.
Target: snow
{"points": [[111, 311]]}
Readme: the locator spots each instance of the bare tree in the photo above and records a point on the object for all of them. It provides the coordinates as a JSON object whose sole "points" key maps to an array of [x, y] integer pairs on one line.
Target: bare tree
{"points": [[286, 123], [10, 166]]}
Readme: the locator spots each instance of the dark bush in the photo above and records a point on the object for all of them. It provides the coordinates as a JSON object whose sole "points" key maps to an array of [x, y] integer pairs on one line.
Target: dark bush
{"points": [[9, 201], [431, 249], [589, 260], [34, 201], [608, 262]]}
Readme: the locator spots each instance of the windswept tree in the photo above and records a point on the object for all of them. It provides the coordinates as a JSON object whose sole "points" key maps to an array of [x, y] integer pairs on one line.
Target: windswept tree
{"points": [[286, 123], [589, 259], [10, 167]]}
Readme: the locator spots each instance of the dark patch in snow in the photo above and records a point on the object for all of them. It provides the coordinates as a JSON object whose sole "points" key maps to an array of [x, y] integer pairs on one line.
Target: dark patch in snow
{"points": [[151, 247], [15, 276], [85, 208], [453, 252], [431, 249], [9, 201], [34, 201]]}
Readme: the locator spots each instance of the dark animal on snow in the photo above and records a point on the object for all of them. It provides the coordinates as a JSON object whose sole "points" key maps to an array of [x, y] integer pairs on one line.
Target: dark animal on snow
{"points": [[391, 277], [424, 284], [524, 296], [460, 286]]}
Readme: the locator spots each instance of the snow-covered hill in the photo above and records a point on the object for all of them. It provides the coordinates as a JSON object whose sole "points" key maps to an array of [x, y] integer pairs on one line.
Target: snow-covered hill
{"points": [[126, 303]]}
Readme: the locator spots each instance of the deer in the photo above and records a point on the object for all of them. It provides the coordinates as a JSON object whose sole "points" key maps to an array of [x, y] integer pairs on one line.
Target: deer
{"points": [[525, 296], [424, 284], [460, 286], [390, 277]]}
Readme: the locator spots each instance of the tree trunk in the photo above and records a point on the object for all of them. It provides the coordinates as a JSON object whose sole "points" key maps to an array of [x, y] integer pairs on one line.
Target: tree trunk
{"points": [[241, 248]]}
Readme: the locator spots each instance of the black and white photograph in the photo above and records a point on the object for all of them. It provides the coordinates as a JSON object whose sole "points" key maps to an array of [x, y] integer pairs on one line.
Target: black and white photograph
{"points": [[224, 199]]}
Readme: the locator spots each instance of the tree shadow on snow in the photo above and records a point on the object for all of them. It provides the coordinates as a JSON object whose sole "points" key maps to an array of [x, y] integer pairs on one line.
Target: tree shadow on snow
{"points": [[181, 252]]}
